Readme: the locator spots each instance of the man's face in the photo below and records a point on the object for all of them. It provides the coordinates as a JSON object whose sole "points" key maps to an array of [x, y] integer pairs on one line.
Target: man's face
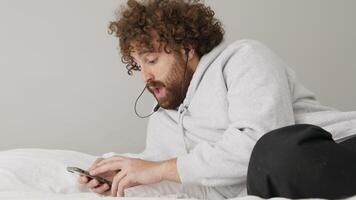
{"points": [[163, 72]]}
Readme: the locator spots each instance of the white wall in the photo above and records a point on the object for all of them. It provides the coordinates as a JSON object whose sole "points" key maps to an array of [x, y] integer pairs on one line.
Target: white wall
{"points": [[62, 85]]}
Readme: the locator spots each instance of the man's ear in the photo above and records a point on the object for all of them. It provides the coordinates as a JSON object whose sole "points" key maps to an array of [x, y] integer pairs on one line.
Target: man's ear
{"points": [[189, 53], [186, 52]]}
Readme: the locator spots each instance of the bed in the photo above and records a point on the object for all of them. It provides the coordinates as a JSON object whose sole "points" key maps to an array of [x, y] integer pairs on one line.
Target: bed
{"points": [[41, 174]]}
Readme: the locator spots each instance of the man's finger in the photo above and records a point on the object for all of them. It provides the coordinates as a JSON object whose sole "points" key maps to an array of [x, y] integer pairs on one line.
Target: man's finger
{"points": [[95, 163], [93, 183], [101, 189], [126, 182], [116, 181], [112, 166], [113, 158], [83, 179]]}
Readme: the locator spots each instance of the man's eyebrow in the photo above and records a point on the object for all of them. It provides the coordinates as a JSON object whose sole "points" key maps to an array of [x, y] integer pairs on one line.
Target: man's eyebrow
{"points": [[144, 51]]}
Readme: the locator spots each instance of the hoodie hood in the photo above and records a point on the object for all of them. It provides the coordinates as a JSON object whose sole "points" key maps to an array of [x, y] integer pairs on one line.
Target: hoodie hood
{"points": [[204, 63]]}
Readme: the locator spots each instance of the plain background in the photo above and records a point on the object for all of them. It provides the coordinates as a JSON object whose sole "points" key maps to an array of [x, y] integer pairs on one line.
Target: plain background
{"points": [[62, 85]]}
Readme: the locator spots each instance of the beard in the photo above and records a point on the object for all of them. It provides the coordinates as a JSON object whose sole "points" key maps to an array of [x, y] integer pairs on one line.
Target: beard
{"points": [[175, 87]]}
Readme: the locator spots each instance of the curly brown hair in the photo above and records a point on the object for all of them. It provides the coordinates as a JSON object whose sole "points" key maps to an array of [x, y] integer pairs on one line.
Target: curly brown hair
{"points": [[178, 24]]}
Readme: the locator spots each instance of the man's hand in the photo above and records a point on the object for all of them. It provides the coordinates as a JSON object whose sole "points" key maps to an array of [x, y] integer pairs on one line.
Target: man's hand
{"points": [[135, 172], [94, 185]]}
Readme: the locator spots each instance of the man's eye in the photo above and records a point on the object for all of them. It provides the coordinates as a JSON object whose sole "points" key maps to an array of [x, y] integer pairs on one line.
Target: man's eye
{"points": [[152, 61]]}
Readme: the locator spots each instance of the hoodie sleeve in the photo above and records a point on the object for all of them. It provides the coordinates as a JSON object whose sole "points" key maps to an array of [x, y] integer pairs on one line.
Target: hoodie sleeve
{"points": [[259, 99]]}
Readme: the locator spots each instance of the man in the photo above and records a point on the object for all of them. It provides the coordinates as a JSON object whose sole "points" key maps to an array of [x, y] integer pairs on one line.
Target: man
{"points": [[216, 101]]}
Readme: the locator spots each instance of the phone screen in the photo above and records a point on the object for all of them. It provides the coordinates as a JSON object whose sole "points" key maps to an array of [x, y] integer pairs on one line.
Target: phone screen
{"points": [[83, 172]]}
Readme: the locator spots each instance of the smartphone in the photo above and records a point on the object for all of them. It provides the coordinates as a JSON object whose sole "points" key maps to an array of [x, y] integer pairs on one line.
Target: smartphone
{"points": [[83, 172]]}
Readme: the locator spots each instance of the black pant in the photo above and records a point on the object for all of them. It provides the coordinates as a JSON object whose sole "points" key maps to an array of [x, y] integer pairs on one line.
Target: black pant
{"points": [[302, 161]]}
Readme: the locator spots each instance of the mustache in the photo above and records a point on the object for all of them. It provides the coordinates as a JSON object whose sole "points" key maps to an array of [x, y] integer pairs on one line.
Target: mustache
{"points": [[156, 84]]}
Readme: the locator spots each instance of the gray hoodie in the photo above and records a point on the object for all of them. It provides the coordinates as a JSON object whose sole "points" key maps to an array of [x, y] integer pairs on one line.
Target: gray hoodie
{"points": [[238, 93]]}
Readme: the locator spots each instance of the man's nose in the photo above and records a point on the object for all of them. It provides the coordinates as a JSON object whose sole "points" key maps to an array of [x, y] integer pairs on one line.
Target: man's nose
{"points": [[146, 74]]}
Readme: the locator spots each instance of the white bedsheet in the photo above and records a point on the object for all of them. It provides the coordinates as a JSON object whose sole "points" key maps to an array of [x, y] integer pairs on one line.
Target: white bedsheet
{"points": [[41, 174]]}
